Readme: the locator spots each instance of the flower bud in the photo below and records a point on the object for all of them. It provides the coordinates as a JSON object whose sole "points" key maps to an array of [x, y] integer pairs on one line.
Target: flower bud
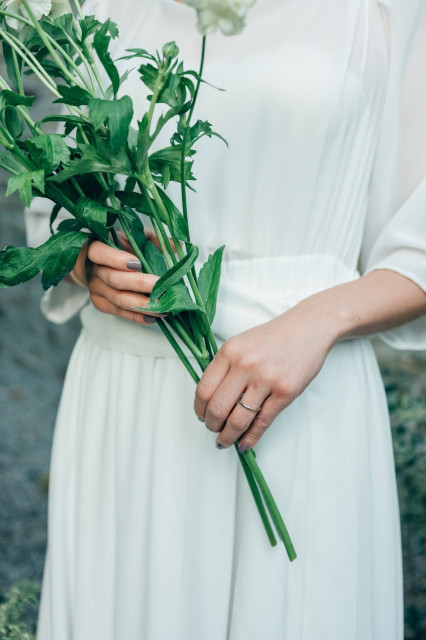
{"points": [[170, 50]]}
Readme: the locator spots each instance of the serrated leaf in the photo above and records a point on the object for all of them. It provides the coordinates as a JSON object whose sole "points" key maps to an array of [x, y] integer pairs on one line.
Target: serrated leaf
{"points": [[24, 183], [88, 25], [53, 149], [208, 282], [175, 274], [117, 114], [101, 44]]}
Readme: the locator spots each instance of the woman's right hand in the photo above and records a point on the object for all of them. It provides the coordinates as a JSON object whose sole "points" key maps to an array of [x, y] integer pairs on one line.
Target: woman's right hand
{"points": [[115, 282]]}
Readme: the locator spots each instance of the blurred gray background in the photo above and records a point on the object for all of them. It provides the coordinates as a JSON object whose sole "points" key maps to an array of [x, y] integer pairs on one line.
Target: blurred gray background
{"points": [[33, 357]]}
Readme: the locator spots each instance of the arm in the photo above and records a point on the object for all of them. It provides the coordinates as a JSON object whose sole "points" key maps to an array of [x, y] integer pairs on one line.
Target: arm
{"points": [[273, 363]]}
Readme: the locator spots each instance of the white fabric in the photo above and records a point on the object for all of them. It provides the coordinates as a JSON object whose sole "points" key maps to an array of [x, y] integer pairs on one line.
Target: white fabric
{"points": [[152, 532]]}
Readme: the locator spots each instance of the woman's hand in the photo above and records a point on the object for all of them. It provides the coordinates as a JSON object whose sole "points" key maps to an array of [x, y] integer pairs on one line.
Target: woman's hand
{"points": [[115, 281], [269, 366], [273, 363]]}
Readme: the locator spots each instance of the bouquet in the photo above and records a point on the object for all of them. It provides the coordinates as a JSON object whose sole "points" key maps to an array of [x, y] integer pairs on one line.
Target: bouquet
{"points": [[81, 169]]}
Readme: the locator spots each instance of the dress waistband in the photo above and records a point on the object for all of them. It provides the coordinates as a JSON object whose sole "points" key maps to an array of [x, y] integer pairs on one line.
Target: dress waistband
{"points": [[251, 292]]}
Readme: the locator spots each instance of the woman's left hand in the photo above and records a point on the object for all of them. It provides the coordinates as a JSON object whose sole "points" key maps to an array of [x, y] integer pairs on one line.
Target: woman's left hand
{"points": [[268, 367]]}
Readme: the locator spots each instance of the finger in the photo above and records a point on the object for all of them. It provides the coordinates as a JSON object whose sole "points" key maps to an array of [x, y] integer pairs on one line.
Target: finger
{"points": [[101, 253], [125, 280], [223, 401], [241, 418], [210, 380], [124, 300], [271, 408], [104, 305]]}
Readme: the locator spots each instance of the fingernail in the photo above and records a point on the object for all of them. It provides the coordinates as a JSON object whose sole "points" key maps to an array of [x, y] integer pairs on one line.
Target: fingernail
{"points": [[243, 448], [220, 446], [150, 319], [135, 265], [201, 419]]}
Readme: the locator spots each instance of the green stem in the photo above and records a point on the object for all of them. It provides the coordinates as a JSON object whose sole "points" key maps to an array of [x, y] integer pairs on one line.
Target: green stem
{"points": [[48, 45], [250, 459], [257, 498], [30, 60], [186, 130], [179, 351]]}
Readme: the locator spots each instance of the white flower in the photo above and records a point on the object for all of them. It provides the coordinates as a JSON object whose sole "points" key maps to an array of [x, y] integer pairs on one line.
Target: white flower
{"points": [[40, 9], [59, 8], [226, 15]]}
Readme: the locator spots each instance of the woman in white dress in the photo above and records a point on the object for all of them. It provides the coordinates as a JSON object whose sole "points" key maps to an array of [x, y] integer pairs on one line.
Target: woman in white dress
{"points": [[153, 533]]}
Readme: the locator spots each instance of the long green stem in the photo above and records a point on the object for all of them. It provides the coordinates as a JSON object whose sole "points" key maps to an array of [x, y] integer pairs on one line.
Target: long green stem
{"points": [[178, 350], [257, 498], [250, 459], [186, 130]]}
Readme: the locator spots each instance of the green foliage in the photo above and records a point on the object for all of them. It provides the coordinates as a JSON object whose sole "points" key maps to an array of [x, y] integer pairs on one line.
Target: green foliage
{"points": [[208, 282], [55, 258], [12, 611], [24, 183]]}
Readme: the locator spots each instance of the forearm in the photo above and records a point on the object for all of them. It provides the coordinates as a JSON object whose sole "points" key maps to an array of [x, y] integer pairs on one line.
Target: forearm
{"points": [[376, 302]]}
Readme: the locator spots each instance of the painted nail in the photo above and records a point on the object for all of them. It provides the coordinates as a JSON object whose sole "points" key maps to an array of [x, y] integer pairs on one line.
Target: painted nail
{"points": [[150, 319], [135, 265], [220, 446], [201, 419], [243, 448]]}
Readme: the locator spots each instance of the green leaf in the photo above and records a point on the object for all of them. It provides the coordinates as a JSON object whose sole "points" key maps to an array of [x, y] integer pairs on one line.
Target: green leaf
{"points": [[73, 96], [88, 25], [70, 224], [53, 149], [138, 231], [13, 122], [53, 215], [138, 53], [90, 162], [165, 163], [94, 216], [155, 259], [58, 256], [24, 183], [208, 282], [71, 122], [10, 64], [135, 201], [12, 99], [175, 274], [178, 224], [101, 43], [174, 300], [55, 258], [17, 265], [117, 114]]}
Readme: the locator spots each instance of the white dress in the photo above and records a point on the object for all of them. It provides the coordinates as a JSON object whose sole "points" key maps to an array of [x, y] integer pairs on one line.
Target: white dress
{"points": [[153, 533]]}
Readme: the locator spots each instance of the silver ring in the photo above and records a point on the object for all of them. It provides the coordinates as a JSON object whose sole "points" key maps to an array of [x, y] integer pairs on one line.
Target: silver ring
{"points": [[252, 409]]}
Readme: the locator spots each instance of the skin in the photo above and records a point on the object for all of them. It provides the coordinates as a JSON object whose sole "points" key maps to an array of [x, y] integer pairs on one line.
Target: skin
{"points": [[273, 363]]}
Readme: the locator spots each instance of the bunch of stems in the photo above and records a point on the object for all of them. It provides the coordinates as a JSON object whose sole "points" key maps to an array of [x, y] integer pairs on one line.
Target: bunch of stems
{"points": [[198, 337]]}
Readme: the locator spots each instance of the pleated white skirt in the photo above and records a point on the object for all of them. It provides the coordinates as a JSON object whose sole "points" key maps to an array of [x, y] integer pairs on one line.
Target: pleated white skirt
{"points": [[153, 533]]}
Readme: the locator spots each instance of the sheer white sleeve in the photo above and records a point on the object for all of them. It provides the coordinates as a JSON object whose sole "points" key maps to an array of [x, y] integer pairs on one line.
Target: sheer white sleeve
{"points": [[395, 234]]}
